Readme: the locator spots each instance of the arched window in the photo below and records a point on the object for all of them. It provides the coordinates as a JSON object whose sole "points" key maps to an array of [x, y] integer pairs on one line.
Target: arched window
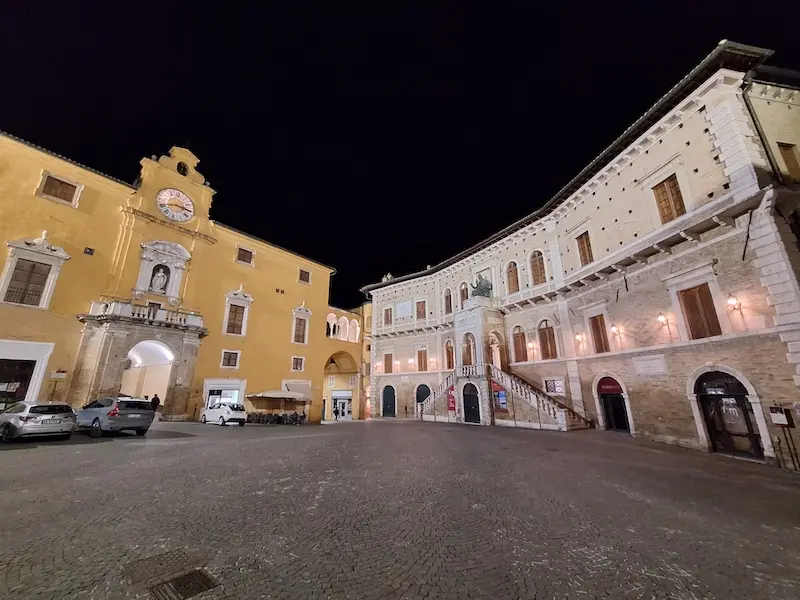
{"points": [[538, 275], [463, 293], [448, 302], [331, 322], [512, 278], [468, 350], [547, 340], [342, 329], [353, 333], [449, 356], [520, 344]]}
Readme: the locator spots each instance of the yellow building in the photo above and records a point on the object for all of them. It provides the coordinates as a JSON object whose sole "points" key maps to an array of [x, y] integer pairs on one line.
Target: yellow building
{"points": [[109, 287]]}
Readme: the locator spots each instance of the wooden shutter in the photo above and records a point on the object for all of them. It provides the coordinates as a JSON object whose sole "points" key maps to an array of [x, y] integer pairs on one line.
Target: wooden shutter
{"points": [[584, 248], [235, 319], [387, 363], [448, 303], [464, 293], [299, 330], [513, 278], [520, 347], [547, 343], [421, 309], [709, 310], [387, 316], [422, 359], [700, 313], [537, 268], [59, 189], [669, 199], [449, 357], [789, 155], [599, 335]]}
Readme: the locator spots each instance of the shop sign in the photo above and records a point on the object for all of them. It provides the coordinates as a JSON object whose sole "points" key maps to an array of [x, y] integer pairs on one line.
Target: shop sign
{"points": [[608, 385], [451, 398], [499, 394], [781, 417]]}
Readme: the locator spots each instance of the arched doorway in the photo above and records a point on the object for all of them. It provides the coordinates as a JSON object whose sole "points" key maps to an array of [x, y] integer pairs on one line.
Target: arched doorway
{"points": [[423, 391], [148, 373], [388, 402], [472, 409], [612, 402], [341, 388], [728, 414]]}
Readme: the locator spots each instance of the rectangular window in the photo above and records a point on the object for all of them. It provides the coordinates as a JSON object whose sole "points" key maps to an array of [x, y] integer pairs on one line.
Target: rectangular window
{"points": [[27, 282], [353, 381], [297, 363], [421, 309], [230, 359], [599, 335], [387, 363], [554, 386], [244, 256], [422, 359], [331, 381], [387, 316], [699, 312], [789, 155], [305, 276], [58, 189], [584, 248], [669, 199], [235, 319], [448, 304], [299, 330]]}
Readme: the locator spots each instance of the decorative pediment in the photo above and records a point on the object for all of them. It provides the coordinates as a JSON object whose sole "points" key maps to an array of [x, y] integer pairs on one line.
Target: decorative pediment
{"points": [[302, 311], [240, 295], [168, 253], [40, 245]]}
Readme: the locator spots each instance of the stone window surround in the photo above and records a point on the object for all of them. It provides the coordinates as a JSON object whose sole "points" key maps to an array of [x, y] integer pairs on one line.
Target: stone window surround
{"points": [[691, 277], [75, 198], [601, 417], [424, 301], [593, 310], [529, 350], [239, 298], [299, 269], [556, 325], [674, 166], [302, 364], [446, 291], [36, 351], [519, 277], [553, 394], [424, 346], [238, 354], [301, 312], [252, 263], [37, 250], [529, 270]]}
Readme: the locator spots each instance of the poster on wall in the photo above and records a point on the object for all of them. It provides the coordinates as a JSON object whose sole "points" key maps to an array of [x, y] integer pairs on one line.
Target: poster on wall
{"points": [[499, 394], [451, 398]]}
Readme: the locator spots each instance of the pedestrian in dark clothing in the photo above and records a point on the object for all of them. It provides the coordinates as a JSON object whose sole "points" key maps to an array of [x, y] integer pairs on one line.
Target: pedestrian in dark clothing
{"points": [[155, 402], [336, 414]]}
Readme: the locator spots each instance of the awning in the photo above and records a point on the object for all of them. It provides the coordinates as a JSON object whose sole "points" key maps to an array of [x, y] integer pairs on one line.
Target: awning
{"points": [[299, 387], [279, 395]]}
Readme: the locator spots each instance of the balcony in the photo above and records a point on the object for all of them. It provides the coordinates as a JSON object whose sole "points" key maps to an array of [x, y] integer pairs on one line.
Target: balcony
{"points": [[117, 310], [429, 325]]}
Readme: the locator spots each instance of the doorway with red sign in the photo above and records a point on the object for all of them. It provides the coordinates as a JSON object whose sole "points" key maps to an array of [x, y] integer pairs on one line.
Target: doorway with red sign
{"points": [[612, 403]]}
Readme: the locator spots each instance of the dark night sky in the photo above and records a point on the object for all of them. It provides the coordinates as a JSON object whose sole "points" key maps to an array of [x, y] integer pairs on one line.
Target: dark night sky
{"points": [[399, 136]]}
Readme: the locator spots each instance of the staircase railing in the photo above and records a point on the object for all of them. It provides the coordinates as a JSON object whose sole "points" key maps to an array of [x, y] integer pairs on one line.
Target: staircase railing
{"points": [[436, 393], [536, 397]]}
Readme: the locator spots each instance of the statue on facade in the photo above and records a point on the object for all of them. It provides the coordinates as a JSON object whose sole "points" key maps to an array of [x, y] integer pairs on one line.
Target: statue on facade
{"points": [[482, 287], [159, 281]]}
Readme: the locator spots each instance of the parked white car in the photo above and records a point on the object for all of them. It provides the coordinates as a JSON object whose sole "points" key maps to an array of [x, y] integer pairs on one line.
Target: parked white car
{"points": [[224, 414]]}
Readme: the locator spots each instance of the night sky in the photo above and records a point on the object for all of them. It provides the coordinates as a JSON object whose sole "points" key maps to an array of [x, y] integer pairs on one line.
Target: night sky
{"points": [[367, 137]]}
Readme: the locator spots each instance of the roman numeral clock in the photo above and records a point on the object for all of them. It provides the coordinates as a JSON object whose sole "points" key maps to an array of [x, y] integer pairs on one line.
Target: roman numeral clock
{"points": [[175, 205]]}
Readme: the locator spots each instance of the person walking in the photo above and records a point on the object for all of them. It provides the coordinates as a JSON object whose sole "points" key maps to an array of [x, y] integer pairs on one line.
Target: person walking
{"points": [[406, 411], [155, 402], [335, 413]]}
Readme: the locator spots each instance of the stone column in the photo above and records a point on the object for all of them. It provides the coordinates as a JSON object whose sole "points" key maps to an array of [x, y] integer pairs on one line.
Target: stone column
{"points": [[181, 377]]}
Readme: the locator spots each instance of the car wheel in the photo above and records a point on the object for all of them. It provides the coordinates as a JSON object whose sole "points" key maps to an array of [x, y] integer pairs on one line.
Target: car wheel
{"points": [[141, 432], [241, 424], [66, 436], [202, 418], [221, 421], [5, 434], [97, 430]]}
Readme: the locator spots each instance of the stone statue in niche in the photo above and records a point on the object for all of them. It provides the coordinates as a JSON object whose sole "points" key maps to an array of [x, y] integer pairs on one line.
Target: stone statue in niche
{"points": [[158, 283], [482, 287]]}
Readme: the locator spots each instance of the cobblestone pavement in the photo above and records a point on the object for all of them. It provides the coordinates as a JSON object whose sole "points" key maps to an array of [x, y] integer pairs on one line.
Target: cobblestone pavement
{"points": [[393, 510]]}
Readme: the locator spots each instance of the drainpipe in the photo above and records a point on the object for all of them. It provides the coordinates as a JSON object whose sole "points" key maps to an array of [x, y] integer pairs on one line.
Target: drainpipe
{"points": [[747, 83]]}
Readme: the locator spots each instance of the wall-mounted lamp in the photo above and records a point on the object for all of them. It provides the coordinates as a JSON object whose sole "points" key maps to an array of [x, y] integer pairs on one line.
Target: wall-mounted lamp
{"points": [[662, 319], [410, 362], [733, 303], [614, 329], [530, 345], [578, 338]]}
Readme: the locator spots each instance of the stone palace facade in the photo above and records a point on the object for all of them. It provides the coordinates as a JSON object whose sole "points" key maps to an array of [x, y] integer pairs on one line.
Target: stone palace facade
{"points": [[655, 294]]}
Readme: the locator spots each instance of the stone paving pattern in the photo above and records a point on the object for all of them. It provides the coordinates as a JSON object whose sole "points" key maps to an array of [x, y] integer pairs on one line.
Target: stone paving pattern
{"points": [[393, 510]]}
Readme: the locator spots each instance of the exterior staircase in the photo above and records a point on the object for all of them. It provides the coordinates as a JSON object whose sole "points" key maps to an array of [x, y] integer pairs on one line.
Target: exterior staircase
{"points": [[550, 413]]}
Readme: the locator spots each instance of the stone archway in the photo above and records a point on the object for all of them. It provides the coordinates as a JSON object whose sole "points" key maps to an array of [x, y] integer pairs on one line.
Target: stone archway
{"points": [[342, 388], [388, 402], [149, 370], [602, 386], [472, 405]]}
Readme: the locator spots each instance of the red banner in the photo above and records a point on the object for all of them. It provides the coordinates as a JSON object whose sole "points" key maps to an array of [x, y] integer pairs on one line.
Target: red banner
{"points": [[451, 398]]}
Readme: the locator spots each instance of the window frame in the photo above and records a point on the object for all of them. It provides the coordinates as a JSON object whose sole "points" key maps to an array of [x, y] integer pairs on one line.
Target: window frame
{"points": [[791, 148], [391, 316], [516, 329], [38, 250], [252, 262], [461, 300], [508, 277], [674, 167], [391, 362], [300, 271], [692, 277], [449, 365], [301, 312], [75, 197], [597, 309], [302, 360], [555, 394], [417, 350], [225, 351], [577, 239], [447, 298], [424, 316], [539, 329], [531, 278], [672, 204]]}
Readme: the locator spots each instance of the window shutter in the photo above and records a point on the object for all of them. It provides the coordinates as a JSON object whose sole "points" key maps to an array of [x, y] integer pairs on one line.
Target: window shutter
{"points": [[693, 311], [662, 200], [676, 198], [421, 309], [387, 363], [585, 248], [537, 268], [520, 350], [422, 360], [547, 343], [599, 336], [709, 311], [448, 349], [464, 292], [59, 189], [299, 330], [513, 278], [387, 316], [448, 304]]}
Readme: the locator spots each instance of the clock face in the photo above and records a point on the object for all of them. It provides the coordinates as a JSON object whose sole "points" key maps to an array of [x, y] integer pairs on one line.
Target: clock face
{"points": [[175, 205]]}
